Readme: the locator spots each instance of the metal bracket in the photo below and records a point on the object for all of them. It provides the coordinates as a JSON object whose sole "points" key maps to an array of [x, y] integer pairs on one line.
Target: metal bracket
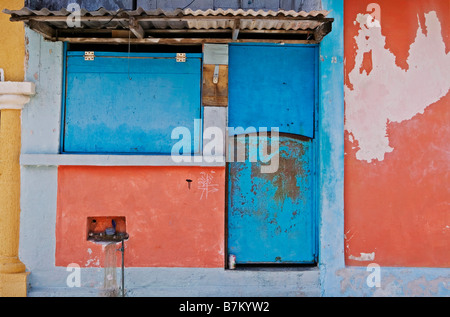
{"points": [[216, 74], [181, 57], [89, 56]]}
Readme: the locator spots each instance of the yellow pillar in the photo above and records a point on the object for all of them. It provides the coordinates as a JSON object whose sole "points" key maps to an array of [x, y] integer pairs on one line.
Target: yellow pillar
{"points": [[13, 95], [12, 270]]}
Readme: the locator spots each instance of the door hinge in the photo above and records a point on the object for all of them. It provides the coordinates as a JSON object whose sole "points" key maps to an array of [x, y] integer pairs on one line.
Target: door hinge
{"points": [[181, 57], [89, 56]]}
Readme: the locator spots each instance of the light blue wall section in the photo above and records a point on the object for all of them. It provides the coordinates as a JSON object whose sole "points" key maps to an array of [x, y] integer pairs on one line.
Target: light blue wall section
{"points": [[331, 151], [40, 134], [183, 282], [398, 282], [42, 116]]}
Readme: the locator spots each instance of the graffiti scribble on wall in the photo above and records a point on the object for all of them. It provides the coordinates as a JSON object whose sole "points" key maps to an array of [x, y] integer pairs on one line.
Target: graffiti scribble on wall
{"points": [[206, 185]]}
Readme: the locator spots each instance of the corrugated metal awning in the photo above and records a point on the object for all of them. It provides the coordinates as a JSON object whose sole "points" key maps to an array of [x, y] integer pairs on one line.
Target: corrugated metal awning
{"points": [[176, 27]]}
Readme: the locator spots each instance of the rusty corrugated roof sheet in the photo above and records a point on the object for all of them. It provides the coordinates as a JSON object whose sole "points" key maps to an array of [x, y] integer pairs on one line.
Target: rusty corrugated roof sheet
{"points": [[178, 12], [182, 20]]}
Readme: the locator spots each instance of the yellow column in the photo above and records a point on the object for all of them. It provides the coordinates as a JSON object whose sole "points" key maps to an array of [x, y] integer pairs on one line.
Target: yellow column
{"points": [[12, 270], [12, 55], [13, 96]]}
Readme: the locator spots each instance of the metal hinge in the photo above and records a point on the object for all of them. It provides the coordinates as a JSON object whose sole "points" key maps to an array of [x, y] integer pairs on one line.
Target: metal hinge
{"points": [[89, 56], [181, 57]]}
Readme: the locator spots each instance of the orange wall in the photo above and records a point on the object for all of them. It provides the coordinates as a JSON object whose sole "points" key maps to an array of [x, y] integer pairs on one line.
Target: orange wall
{"points": [[397, 207], [169, 224]]}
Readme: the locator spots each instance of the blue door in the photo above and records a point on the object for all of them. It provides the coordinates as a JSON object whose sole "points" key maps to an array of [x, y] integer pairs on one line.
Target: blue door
{"points": [[271, 216], [129, 103]]}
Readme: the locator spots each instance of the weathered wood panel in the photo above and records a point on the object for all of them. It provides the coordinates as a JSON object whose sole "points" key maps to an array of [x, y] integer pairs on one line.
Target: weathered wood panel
{"points": [[215, 94]]}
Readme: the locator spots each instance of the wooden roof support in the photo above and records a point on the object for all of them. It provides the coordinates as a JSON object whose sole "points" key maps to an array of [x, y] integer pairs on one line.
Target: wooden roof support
{"points": [[236, 26], [42, 28], [136, 28], [321, 31]]}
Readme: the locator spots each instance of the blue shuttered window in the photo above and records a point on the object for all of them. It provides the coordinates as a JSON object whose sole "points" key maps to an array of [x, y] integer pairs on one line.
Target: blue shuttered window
{"points": [[122, 103]]}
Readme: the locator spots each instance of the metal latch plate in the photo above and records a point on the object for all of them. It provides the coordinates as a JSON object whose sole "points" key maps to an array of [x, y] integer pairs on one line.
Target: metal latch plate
{"points": [[216, 74], [89, 56], [181, 57]]}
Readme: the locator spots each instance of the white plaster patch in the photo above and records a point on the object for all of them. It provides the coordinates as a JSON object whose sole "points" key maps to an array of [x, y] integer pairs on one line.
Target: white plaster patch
{"points": [[95, 261], [363, 257], [388, 93]]}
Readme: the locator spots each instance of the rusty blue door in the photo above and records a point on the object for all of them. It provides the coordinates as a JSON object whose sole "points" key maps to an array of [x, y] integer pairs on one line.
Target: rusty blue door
{"points": [[271, 215]]}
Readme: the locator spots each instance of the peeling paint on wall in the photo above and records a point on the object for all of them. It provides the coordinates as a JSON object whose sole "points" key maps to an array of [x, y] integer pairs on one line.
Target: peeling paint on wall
{"points": [[363, 257], [381, 94], [396, 203]]}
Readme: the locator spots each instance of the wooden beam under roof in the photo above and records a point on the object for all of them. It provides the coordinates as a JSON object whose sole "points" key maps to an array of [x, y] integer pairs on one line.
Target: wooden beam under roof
{"points": [[42, 28], [56, 18], [176, 41]]}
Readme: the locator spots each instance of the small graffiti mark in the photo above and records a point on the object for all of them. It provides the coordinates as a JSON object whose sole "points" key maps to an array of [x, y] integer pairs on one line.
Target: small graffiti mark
{"points": [[206, 185]]}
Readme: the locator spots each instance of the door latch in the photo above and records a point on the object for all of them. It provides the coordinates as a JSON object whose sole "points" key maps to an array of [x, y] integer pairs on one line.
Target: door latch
{"points": [[89, 56], [181, 57], [216, 74]]}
